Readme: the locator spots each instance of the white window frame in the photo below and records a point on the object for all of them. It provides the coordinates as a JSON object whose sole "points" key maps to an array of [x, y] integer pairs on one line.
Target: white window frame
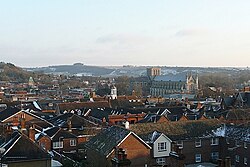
{"points": [[214, 141], [198, 157], [237, 158], [161, 161], [245, 161], [72, 142], [215, 155], [162, 146], [237, 143], [245, 145], [180, 144], [58, 144], [198, 143], [227, 141]]}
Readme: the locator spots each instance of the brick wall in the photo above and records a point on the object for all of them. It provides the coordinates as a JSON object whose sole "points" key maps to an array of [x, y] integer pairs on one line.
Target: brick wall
{"points": [[136, 151]]}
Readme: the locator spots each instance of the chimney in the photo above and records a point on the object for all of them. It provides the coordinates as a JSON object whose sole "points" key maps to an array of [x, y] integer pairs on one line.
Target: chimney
{"points": [[126, 125], [23, 128], [69, 126], [228, 162], [32, 133]]}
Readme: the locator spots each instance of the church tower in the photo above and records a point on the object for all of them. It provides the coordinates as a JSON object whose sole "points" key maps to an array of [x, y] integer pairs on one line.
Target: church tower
{"points": [[113, 93]]}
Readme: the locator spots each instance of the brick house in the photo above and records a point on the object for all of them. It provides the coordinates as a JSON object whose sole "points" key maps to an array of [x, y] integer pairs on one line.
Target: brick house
{"points": [[196, 140], [57, 139], [104, 148], [19, 150]]}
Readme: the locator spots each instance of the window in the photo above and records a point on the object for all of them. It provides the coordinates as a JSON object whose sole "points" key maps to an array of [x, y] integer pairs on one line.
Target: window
{"points": [[198, 143], [197, 157], [237, 158], [162, 146], [237, 143], [180, 144], [215, 141], [161, 161], [227, 141], [72, 142], [245, 144], [58, 144], [215, 155], [43, 145], [245, 161]]}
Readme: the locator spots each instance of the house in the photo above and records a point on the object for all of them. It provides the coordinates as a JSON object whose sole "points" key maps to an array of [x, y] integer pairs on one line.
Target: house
{"points": [[57, 139], [154, 118], [237, 144], [19, 150], [76, 106], [195, 139], [161, 146], [75, 124], [13, 116], [105, 148]]}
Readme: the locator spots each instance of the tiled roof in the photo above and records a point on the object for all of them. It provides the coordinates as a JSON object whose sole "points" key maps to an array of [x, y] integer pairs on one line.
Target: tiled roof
{"points": [[177, 130]]}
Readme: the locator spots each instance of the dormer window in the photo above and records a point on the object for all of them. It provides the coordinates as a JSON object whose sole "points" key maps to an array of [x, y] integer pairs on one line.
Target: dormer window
{"points": [[162, 146], [72, 142], [198, 143], [214, 141], [245, 145], [180, 144]]}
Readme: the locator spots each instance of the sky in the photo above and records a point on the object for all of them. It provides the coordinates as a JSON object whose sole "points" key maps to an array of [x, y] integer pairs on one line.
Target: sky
{"points": [[210, 33]]}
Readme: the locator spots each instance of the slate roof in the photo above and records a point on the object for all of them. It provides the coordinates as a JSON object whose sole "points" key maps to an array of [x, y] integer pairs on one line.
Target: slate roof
{"points": [[8, 112], [175, 78], [55, 133], [81, 105], [241, 133], [76, 121], [238, 114], [151, 118], [21, 148], [151, 137], [106, 140], [235, 132]]}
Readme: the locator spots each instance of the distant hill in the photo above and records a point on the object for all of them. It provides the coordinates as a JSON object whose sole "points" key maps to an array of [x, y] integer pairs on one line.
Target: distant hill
{"points": [[75, 69], [80, 69], [10, 72]]}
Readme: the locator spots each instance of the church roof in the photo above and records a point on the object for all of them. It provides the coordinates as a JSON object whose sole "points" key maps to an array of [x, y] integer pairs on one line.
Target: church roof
{"points": [[174, 78]]}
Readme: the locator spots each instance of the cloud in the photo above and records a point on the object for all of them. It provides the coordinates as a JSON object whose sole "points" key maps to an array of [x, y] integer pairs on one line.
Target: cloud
{"points": [[191, 32], [122, 38]]}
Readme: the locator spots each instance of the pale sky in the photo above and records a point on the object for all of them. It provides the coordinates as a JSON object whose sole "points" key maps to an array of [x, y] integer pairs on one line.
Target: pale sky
{"points": [[120, 32]]}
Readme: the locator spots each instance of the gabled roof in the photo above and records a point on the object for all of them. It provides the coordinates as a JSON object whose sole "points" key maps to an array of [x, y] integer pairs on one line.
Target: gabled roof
{"points": [[76, 121], [8, 112], [81, 105], [21, 148], [151, 118], [12, 111], [105, 142], [55, 133], [153, 136]]}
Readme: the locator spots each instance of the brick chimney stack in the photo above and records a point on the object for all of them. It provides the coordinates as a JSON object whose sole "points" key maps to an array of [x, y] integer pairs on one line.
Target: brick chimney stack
{"points": [[32, 133]]}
